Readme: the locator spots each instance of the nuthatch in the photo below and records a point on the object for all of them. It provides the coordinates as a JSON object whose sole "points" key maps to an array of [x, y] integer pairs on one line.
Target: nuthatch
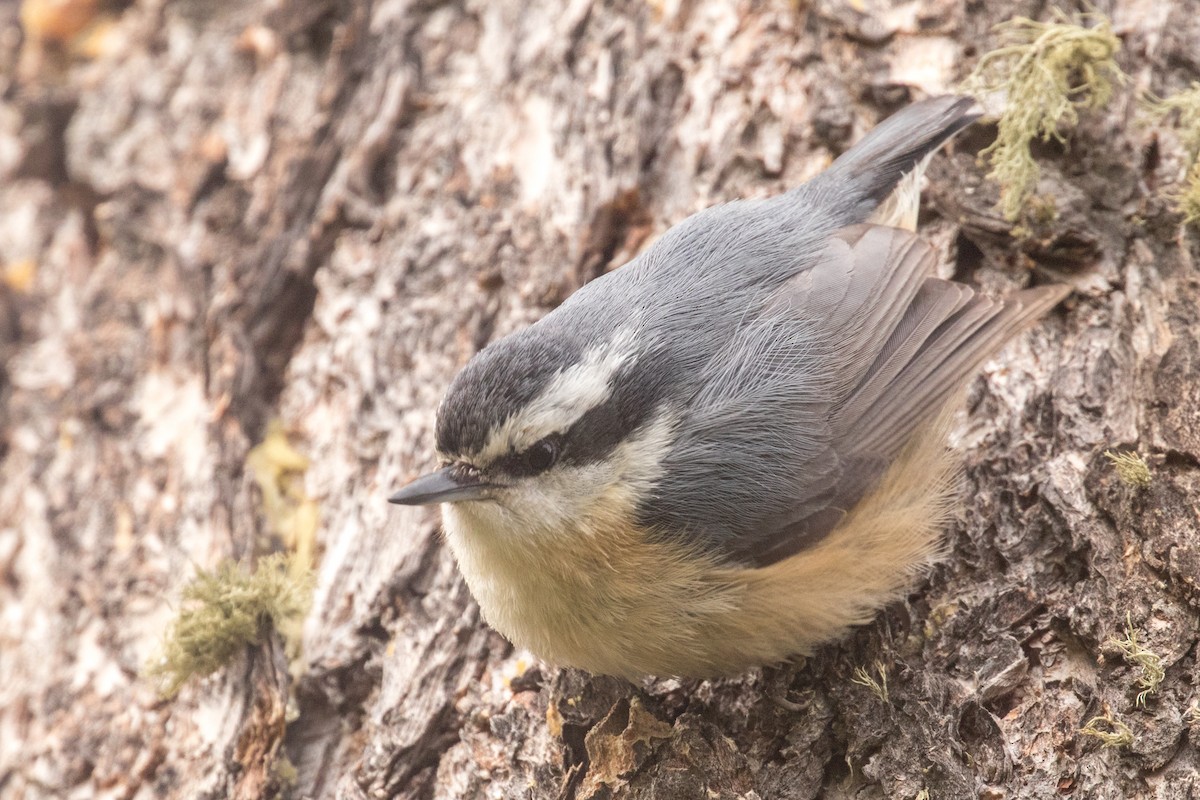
{"points": [[732, 448]]}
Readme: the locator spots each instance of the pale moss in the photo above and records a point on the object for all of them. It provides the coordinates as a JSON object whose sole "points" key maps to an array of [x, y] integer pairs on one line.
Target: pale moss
{"points": [[878, 687], [1186, 106], [1131, 468], [1047, 72], [1150, 663], [224, 611], [1111, 732], [1189, 198]]}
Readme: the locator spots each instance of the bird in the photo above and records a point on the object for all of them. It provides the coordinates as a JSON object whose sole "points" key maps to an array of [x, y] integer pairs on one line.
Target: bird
{"points": [[732, 449]]}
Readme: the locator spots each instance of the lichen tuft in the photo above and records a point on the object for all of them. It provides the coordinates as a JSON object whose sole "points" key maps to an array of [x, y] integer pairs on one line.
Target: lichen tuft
{"points": [[224, 611], [1047, 72]]}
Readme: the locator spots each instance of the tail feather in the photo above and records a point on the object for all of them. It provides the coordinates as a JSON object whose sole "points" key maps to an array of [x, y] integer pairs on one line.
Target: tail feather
{"points": [[871, 170], [945, 361]]}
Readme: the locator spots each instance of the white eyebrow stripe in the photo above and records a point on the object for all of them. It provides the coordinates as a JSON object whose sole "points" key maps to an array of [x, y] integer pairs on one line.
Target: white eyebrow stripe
{"points": [[572, 393]]}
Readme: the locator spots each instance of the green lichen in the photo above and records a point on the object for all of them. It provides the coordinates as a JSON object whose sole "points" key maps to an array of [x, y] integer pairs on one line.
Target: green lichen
{"points": [[1110, 731], [1131, 468], [1048, 72], [1150, 663], [224, 611], [879, 688], [1189, 198], [1186, 107]]}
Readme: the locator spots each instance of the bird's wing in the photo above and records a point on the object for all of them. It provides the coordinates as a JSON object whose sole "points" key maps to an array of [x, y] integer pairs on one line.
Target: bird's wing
{"points": [[815, 397]]}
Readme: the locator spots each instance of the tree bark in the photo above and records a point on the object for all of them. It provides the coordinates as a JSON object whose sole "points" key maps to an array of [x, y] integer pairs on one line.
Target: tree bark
{"points": [[220, 213]]}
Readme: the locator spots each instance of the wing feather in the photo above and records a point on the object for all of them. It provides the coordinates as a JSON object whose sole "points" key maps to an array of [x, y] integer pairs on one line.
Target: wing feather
{"points": [[885, 346], [944, 362]]}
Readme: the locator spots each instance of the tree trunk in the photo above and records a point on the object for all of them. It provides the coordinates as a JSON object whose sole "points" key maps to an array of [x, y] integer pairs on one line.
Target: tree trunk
{"points": [[223, 212]]}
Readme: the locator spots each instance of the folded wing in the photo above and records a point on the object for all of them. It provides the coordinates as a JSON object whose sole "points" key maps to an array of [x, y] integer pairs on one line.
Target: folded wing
{"points": [[844, 365]]}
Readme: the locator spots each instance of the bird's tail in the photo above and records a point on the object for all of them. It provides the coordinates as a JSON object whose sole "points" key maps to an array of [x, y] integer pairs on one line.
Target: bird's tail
{"points": [[870, 171]]}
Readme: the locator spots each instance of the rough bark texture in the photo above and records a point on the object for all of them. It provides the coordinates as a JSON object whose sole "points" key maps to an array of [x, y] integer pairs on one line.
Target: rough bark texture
{"points": [[244, 209]]}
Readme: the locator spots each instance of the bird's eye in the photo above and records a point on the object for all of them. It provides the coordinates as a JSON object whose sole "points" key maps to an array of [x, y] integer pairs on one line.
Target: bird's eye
{"points": [[542, 455]]}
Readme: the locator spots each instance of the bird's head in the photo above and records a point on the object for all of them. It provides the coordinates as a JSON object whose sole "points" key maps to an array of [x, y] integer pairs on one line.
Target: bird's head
{"points": [[539, 431]]}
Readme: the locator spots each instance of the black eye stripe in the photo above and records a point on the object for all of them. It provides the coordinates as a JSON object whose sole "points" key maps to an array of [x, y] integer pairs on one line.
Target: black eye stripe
{"points": [[537, 458], [592, 438], [635, 396], [542, 455]]}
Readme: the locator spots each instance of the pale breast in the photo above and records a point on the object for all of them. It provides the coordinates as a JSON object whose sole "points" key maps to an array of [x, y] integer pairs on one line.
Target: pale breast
{"points": [[617, 604]]}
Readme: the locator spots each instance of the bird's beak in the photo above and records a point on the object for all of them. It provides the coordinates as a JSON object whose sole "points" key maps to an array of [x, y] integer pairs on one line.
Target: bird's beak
{"points": [[448, 485]]}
